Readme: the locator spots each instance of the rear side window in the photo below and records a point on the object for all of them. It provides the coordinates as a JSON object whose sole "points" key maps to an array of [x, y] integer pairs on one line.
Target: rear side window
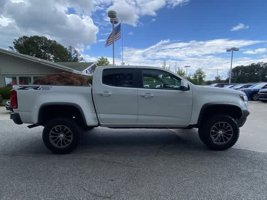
{"points": [[119, 77]]}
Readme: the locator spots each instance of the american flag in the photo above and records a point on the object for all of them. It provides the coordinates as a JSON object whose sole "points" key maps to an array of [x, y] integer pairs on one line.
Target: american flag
{"points": [[114, 35]]}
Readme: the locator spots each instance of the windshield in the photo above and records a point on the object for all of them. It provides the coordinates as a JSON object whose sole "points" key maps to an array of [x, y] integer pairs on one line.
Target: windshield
{"points": [[257, 86], [237, 86]]}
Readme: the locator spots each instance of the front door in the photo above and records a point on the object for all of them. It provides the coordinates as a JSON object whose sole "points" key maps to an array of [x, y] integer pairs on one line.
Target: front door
{"points": [[161, 101]]}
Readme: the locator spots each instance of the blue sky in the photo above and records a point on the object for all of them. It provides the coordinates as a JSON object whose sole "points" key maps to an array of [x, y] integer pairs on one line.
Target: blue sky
{"points": [[174, 32]]}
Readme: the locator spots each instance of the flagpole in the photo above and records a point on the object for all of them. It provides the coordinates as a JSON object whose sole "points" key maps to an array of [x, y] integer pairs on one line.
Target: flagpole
{"points": [[113, 46], [121, 45], [113, 19]]}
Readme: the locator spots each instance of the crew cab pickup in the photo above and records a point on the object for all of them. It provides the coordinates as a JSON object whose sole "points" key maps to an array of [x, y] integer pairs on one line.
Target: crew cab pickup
{"points": [[130, 97]]}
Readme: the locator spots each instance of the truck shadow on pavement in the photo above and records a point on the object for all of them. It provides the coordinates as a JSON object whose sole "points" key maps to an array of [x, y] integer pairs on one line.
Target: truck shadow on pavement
{"points": [[139, 140], [22, 141]]}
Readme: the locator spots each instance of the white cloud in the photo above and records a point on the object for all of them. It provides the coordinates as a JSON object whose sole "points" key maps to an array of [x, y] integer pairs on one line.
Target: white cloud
{"points": [[70, 22], [17, 1], [130, 11], [256, 51], [49, 18], [209, 55], [102, 40], [212, 56], [82, 6], [239, 27], [181, 50], [174, 3], [4, 21]]}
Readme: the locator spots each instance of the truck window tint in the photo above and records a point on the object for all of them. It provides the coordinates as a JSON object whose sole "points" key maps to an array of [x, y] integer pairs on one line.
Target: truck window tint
{"points": [[157, 79], [118, 77]]}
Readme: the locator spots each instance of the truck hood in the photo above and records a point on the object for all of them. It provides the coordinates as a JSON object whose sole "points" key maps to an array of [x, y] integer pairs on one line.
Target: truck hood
{"points": [[208, 89]]}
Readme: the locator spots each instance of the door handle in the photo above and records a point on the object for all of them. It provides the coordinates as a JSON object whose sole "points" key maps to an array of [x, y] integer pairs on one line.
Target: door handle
{"points": [[105, 94], [147, 95]]}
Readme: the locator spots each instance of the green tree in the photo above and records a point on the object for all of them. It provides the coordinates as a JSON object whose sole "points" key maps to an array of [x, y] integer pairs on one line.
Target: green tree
{"points": [[255, 72], [102, 61], [198, 77], [41, 47], [181, 72], [74, 55]]}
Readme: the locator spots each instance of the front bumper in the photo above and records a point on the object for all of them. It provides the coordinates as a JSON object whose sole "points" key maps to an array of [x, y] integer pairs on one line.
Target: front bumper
{"points": [[16, 118], [243, 118], [262, 96]]}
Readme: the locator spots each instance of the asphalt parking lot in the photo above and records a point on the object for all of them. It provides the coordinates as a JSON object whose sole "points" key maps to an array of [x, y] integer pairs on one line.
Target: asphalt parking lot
{"points": [[134, 164]]}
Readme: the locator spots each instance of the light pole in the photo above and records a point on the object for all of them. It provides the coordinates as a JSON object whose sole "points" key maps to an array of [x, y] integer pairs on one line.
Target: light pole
{"points": [[186, 67], [114, 20], [232, 54]]}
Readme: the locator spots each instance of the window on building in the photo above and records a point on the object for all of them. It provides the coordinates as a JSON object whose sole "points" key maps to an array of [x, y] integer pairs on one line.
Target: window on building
{"points": [[10, 81], [25, 80], [35, 78]]}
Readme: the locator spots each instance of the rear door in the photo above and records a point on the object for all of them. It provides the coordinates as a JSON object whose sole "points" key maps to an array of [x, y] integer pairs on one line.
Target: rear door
{"points": [[116, 97], [161, 101]]}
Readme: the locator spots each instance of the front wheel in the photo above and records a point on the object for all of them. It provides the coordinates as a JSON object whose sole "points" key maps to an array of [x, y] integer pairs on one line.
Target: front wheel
{"points": [[61, 136], [219, 132]]}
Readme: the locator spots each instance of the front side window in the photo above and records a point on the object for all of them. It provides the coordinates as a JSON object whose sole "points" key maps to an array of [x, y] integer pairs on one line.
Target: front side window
{"points": [[158, 79], [118, 77]]}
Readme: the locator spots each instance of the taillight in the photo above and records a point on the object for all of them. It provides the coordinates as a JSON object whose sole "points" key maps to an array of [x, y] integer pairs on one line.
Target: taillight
{"points": [[13, 99]]}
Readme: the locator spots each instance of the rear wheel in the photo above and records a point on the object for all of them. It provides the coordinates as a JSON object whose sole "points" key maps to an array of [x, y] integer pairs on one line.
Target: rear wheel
{"points": [[219, 132], [61, 136]]}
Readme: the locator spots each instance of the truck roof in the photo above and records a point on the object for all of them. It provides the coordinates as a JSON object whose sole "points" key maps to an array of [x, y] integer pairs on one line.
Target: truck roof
{"points": [[135, 66], [130, 66]]}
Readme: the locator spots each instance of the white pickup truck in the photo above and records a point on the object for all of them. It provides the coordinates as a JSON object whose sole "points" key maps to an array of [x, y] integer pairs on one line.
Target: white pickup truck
{"points": [[130, 97]]}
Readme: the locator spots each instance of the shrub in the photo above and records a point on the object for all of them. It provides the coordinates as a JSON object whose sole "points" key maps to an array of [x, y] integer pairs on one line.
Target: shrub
{"points": [[90, 79], [63, 79], [5, 92]]}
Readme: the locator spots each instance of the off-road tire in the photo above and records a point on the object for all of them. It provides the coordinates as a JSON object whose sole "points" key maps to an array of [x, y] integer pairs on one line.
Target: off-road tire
{"points": [[219, 132], [61, 136]]}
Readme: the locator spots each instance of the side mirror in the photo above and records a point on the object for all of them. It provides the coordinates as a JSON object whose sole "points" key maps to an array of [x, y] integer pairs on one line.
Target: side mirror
{"points": [[184, 86]]}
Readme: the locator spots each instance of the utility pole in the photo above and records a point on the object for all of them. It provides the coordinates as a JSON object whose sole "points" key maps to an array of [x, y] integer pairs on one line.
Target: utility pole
{"points": [[232, 55], [186, 67]]}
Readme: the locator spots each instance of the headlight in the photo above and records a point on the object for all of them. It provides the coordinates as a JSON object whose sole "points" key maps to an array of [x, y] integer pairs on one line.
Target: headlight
{"points": [[244, 98]]}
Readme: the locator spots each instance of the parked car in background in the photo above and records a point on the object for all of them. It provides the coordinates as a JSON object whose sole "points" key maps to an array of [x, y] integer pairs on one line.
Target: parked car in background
{"points": [[229, 86], [252, 91], [242, 86], [262, 95], [220, 85]]}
